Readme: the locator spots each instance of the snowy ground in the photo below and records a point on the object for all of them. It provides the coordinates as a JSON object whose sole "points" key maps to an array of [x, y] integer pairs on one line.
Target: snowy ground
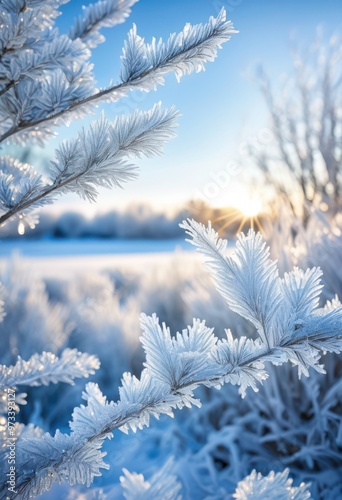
{"points": [[63, 247], [63, 257]]}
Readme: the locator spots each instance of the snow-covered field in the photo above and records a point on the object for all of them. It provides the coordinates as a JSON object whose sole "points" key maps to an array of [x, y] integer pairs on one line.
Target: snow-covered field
{"points": [[64, 256], [68, 247]]}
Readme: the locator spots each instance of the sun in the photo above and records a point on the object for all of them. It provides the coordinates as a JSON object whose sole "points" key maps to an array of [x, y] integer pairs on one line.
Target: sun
{"points": [[251, 207], [247, 211]]}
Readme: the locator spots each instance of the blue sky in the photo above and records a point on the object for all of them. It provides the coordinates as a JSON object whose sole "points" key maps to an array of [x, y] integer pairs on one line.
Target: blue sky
{"points": [[221, 106]]}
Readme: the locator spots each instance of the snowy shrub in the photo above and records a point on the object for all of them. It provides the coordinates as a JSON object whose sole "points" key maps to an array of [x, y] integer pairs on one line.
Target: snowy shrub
{"points": [[104, 326], [31, 323], [318, 243], [303, 162]]}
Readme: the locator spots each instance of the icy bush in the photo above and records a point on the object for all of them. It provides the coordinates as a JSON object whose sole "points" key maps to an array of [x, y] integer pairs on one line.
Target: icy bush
{"points": [[302, 163], [31, 324], [318, 243]]}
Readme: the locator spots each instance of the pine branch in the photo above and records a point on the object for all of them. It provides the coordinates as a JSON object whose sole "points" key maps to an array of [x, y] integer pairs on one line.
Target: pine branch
{"points": [[46, 368], [258, 487], [103, 14], [176, 366], [182, 53], [162, 485], [198, 45], [247, 280], [57, 51], [97, 157], [23, 22]]}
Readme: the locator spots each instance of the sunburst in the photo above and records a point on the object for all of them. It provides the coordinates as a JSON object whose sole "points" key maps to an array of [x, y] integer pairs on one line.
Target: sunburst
{"points": [[248, 212]]}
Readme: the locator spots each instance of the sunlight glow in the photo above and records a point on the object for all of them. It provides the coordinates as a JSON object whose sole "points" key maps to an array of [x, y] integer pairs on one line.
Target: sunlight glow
{"points": [[246, 211], [250, 207]]}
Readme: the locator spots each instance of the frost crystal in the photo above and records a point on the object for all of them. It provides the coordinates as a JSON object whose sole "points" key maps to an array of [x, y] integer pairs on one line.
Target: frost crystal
{"points": [[258, 487]]}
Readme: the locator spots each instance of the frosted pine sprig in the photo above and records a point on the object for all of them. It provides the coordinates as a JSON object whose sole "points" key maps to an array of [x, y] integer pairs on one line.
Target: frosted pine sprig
{"points": [[98, 157], [183, 53], [143, 67], [47, 368], [103, 14], [46, 80], [162, 485], [259, 487], [282, 310], [44, 369]]}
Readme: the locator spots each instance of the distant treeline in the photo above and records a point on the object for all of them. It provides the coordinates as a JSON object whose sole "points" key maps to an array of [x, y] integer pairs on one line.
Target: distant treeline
{"points": [[136, 222], [139, 221]]}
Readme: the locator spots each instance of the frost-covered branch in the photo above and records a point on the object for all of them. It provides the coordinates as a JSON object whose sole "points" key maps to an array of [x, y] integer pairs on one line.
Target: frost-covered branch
{"points": [[282, 310], [44, 369], [144, 66], [97, 158], [258, 487], [103, 14], [46, 79], [47, 368], [162, 485], [176, 366], [182, 53], [24, 21]]}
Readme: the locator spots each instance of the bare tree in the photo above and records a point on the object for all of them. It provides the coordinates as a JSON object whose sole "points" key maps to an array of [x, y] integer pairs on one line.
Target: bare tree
{"points": [[304, 162]]}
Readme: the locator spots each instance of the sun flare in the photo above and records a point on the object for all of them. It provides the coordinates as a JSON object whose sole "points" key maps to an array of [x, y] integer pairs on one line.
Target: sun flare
{"points": [[250, 207], [247, 211]]}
